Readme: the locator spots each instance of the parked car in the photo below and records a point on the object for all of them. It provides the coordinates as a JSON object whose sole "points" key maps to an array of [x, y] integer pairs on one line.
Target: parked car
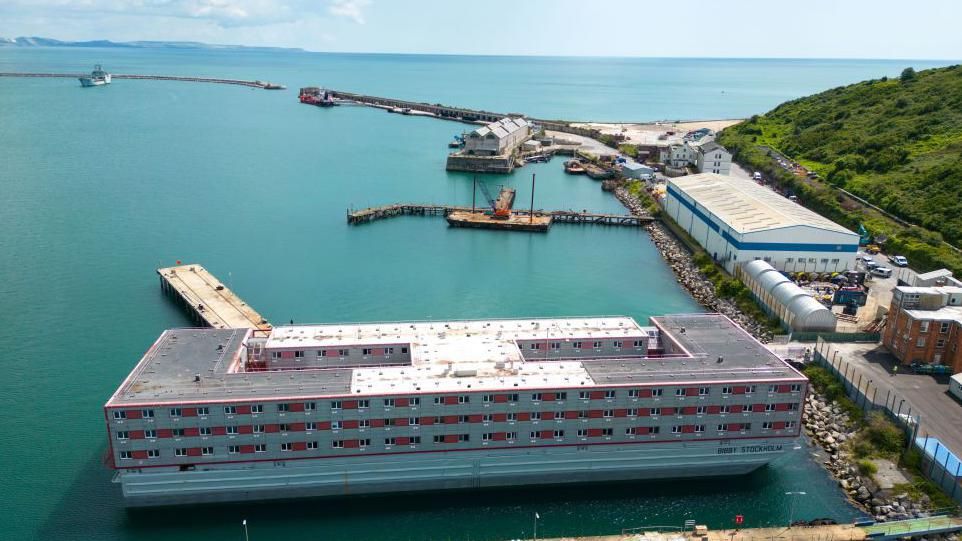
{"points": [[757, 176], [865, 258], [872, 265], [899, 260], [883, 272]]}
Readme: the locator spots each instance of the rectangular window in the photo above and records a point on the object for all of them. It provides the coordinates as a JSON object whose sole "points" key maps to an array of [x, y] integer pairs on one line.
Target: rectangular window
{"points": [[464, 437], [390, 441], [364, 423], [283, 427], [414, 421], [182, 451], [639, 343], [609, 395], [704, 391], [676, 429], [147, 414], [438, 400], [415, 440], [230, 410], [366, 351], [203, 411], [536, 397], [597, 344], [232, 431], [464, 399], [790, 424], [722, 427], [205, 431], [487, 398], [177, 432], [258, 429], [679, 392], [463, 419], [940, 343], [632, 412], [487, 418], [725, 409], [438, 438], [310, 406], [617, 344], [153, 453], [576, 345], [513, 397], [699, 428], [560, 396], [362, 404], [796, 387], [511, 417], [310, 427], [126, 455], [582, 432], [656, 392], [654, 429], [536, 416], [343, 353], [923, 326], [287, 446], [388, 351], [701, 410], [312, 445], [944, 328], [233, 449], [633, 393], [337, 444], [257, 408], [767, 425], [584, 395], [727, 389], [335, 404], [206, 451], [388, 402], [487, 436], [608, 414], [416, 401], [607, 431], [920, 343], [260, 448], [559, 433], [559, 415], [750, 389], [555, 345], [122, 435], [655, 411], [176, 412], [769, 407]]}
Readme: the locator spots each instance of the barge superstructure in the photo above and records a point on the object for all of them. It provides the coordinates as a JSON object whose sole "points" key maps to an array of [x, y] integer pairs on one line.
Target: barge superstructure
{"points": [[319, 410]]}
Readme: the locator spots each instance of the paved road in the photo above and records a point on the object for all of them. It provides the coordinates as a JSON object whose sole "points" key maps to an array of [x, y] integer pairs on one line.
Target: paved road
{"points": [[928, 396]]}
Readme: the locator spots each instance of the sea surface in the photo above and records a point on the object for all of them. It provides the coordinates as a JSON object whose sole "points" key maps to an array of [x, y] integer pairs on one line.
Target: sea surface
{"points": [[101, 186]]}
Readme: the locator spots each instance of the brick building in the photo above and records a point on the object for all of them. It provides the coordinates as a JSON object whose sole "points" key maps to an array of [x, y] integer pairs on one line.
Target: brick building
{"points": [[925, 325]]}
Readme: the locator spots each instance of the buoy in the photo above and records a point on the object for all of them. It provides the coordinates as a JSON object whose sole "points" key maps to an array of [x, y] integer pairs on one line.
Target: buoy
{"points": [[178, 262]]}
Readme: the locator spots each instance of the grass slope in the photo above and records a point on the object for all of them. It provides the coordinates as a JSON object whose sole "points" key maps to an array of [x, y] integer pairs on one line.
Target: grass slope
{"points": [[895, 142]]}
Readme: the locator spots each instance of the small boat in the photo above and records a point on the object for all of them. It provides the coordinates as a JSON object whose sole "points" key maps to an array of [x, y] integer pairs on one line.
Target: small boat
{"points": [[537, 158], [574, 167], [98, 77]]}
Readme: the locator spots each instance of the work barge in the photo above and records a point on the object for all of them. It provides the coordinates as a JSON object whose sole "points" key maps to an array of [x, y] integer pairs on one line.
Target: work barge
{"points": [[355, 217]]}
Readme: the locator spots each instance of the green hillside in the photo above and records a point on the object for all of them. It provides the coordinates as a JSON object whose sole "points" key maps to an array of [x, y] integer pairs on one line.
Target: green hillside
{"points": [[897, 143]]}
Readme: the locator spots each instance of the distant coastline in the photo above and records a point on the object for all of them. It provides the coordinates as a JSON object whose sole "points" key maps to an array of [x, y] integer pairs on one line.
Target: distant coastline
{"points": [[185, 45]]}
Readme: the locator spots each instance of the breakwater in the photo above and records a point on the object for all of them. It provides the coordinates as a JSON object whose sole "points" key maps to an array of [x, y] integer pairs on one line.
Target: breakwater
{"points": [[238, 82]]}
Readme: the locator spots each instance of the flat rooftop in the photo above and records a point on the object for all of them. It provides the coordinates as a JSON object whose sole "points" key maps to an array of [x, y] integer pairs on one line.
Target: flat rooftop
{"points": [[447, 357], [748, 207]]}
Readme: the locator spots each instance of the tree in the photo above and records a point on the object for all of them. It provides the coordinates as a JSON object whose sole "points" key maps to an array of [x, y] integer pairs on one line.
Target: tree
{"points": [[908, 74]]}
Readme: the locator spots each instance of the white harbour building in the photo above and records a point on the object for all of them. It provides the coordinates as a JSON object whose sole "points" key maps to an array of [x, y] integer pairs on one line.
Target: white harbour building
{"points": [[735, 220], [497, 138]]}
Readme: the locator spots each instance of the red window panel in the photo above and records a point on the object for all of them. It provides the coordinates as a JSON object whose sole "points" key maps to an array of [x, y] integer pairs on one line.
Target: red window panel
{"points": [[500, 417], [330, 353], [349, 404], [778, 425], [400, 402], [524, 416], [450, 400], [401, 421], [296, 406], [691, 391], [377, 423], [547, 396], [193, 451], [714, 409], [782, 407], [188, 412], [246, 449], [299, 427], [689, 410], [272, 428], [377, 351], [403, 440], [688, 429], [245, 429], [140, 455], [352, 444], [192, 431], [136, 434], [621, 413], [500, 398], [738, 389], [427, 420], [758, 407], [500, 436], [547, 434], [300, 446], [134, 414], [784, 389], [450, 438], [737, 408], [734, 426], [164, 433], [323, 425], [645, 393], [219, 430], [594, 432], [243, 410], [475, 418], [595, 414], [350, 424], [597, 395], [571, 415], [287, 355], [450, 419], [644, 412], [667, 411]]}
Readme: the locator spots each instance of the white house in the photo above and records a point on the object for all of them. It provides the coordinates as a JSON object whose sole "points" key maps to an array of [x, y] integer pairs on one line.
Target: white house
{"points": [[735, 220], [497, 138], [677, 155], [713, 158]]}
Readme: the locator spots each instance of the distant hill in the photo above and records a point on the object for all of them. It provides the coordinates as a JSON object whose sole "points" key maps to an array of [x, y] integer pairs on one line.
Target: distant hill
{"points": [[49, 42], [896, 143]]}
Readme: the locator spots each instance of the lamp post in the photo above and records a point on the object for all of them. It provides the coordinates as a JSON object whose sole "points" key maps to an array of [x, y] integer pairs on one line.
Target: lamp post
{"points": [[245, 530], [536, 517], [791, 508]]}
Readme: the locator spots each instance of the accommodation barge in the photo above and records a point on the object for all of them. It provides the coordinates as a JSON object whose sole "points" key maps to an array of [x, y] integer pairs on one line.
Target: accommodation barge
{"points": [[214, 415]]}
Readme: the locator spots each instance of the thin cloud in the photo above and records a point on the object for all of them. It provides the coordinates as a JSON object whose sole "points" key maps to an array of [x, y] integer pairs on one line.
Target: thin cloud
{"points": [[349, 9]]}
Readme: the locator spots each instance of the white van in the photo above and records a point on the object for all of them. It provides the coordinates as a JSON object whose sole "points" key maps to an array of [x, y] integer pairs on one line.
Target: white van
{"points": [[883, 272], [955, 386]]}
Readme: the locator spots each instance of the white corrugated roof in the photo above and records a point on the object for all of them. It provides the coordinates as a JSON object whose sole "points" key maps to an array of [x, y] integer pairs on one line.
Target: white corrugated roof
{"points": [[502, 128], [748, 207]]}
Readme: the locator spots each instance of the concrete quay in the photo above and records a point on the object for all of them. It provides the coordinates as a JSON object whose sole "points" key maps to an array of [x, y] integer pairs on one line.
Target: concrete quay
{"points": [[208, 301]]}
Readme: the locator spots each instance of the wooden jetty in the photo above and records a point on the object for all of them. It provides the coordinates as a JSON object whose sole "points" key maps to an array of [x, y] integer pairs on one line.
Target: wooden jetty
{"points": [[557, 216], [207, 300], [239, 82]]}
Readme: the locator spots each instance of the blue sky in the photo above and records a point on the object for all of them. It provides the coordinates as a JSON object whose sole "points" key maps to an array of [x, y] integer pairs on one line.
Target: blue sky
{"points": [[922, 29]]}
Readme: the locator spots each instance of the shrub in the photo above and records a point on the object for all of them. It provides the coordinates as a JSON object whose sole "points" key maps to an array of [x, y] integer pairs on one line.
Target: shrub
{"points": [[867, 467]]}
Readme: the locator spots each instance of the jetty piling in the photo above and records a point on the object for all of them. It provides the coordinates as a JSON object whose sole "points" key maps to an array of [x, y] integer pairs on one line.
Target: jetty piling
{"points": [[371, 214]]}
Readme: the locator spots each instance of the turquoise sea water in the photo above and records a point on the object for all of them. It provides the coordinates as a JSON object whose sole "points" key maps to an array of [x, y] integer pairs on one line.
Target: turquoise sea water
{"points": [[101, 186]]}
